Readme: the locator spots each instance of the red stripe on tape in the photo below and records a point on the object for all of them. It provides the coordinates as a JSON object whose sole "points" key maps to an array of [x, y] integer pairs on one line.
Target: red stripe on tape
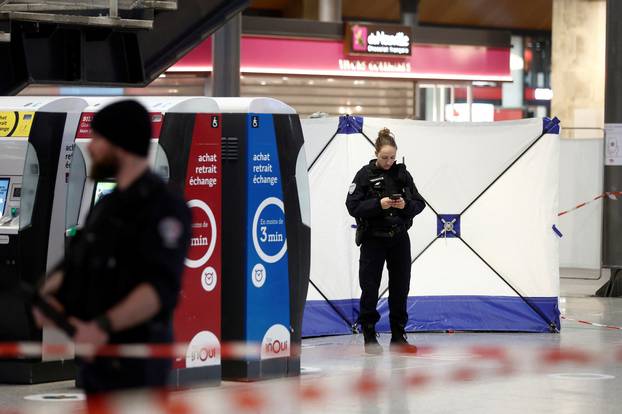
{"points": [[367, 385], [248, 400], [9, 350], [559, 356], [464, 374], [311, 393]]}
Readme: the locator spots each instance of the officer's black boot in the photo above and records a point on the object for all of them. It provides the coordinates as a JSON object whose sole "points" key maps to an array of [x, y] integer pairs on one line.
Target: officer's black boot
{"points": [[371, 342], [399, 342]]}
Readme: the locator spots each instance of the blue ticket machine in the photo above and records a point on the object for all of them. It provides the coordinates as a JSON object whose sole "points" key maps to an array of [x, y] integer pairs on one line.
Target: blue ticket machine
{"points": [[266, 235]]}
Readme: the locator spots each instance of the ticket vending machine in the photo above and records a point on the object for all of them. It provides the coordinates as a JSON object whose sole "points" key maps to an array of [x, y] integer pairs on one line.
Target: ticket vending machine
{"points": [[265, 235], [190, 145], [36, 144]]}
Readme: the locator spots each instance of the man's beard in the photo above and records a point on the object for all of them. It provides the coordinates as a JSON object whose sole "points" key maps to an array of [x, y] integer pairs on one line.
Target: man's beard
{"points": [[104, 169]]}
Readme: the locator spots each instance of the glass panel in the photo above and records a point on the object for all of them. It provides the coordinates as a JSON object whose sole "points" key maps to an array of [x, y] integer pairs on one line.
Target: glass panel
{"points": [[161, 166], [29, 187]]}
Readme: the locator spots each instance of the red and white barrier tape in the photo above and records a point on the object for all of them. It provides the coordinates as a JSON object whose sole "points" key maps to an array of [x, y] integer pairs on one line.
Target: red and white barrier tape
{"points": [[600, 325], [230, 350], [613, 195], [328, 393]]}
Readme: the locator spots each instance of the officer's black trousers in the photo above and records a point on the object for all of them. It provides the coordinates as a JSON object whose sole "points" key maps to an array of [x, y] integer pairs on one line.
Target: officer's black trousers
{"points": [[374, 252]]}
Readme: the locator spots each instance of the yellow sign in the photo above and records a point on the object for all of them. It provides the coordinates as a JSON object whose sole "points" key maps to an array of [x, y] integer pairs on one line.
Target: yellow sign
{"points": [[16, 124]]}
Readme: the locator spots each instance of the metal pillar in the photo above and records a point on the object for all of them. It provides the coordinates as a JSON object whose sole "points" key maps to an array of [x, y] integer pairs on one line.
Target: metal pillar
{"points": [[410, 13], [513, 92], [330, 10], [442, 98], [470, 102], [612, 210], [226, 58], [114, 8]]}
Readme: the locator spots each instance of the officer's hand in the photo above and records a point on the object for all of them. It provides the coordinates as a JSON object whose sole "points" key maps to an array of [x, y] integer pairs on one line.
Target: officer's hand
{"points": [[399, 203], [88, 333], [40, 319], [386, 202]]}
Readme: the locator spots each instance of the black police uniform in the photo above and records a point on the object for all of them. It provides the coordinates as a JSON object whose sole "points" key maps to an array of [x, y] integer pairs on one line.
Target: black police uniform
{"points": [[138, 235], [384, 238]]}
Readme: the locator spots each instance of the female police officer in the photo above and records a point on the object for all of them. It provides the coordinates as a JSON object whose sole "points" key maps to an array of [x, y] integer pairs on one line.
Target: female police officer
{"points": [[383, 199]]}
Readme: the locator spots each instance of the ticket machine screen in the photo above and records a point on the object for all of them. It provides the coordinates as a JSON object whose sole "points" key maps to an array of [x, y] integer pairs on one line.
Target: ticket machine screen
{"points": [[4, 193], [103, 188]]}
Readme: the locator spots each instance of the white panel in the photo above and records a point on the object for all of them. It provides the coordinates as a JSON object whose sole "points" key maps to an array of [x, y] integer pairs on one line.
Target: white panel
{"points": [[510, 225], [422, 232], [452, 163], [580, 180], [449, 268], [317, 133], [332, 239], [302, 187]]}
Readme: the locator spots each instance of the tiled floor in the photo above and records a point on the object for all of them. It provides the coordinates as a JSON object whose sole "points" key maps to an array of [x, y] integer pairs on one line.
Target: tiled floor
{"points": [[446, 376]]}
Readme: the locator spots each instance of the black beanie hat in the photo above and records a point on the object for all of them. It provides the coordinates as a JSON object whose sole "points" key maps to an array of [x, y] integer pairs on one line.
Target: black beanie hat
{"points": [[126, 124]]}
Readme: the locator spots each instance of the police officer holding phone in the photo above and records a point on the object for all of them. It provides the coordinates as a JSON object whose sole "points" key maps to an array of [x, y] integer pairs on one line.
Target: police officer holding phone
{"points": [[384, 200]]}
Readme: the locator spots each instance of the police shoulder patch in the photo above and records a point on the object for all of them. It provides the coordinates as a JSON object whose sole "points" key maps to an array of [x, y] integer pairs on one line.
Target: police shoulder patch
{"points": [[170, 230], [352, 188]]}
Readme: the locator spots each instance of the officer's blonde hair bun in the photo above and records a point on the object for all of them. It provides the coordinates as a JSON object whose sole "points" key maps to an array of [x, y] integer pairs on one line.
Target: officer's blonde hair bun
{"points": [[385, 137]]}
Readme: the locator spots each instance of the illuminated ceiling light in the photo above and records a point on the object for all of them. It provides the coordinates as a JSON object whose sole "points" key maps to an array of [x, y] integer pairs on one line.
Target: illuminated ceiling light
{"points": [[162, 75], [342, 110], [358, 108], [285, 78], [330, 80], [310, 82], [543, 94], [348, 103], [263, 83]]}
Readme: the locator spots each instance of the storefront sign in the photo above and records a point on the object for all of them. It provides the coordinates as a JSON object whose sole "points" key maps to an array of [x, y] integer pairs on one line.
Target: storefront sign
{"points": [[374, 67], [261, 55], [372, 39]]}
